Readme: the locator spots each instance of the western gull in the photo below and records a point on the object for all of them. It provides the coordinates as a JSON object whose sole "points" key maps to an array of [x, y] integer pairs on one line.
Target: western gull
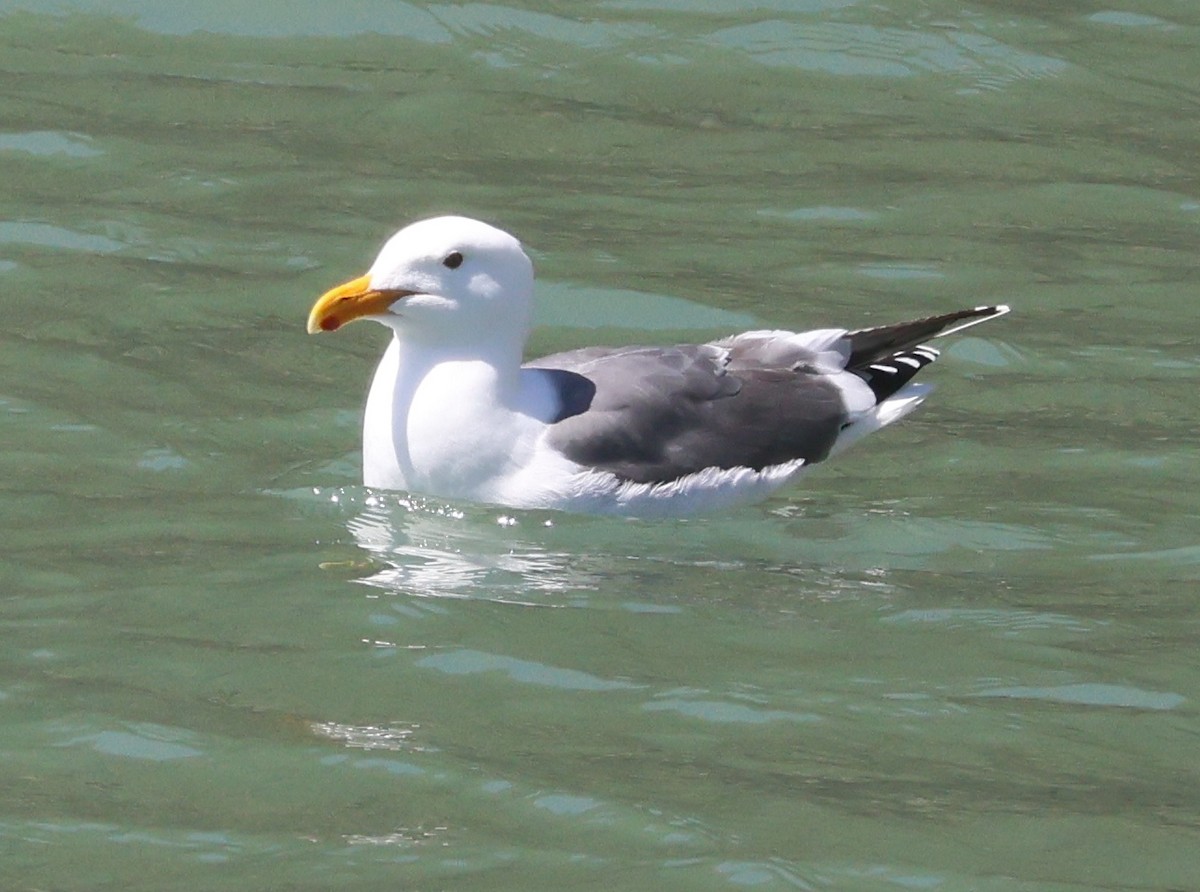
{"points": [[650, 431]]}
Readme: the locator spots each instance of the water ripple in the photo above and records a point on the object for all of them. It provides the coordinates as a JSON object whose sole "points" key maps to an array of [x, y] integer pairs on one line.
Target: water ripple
{"points": [[725, 713], [46, 235], [143, 740], [49, 142], [469, 662], [843, 48], [1091, 695]]}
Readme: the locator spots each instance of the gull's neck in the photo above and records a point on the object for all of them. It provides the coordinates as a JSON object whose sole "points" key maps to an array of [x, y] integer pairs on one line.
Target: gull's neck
{"points": [[419, 355], [437, 413]]}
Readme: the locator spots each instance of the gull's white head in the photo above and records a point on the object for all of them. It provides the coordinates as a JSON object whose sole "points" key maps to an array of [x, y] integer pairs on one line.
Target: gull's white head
{"points": [[446, 279]]}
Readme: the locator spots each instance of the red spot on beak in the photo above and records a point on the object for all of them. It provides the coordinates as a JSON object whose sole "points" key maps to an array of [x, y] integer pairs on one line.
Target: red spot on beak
{"points": [[330, 323]]}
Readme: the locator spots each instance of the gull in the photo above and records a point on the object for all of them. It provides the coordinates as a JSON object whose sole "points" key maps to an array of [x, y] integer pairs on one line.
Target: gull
{"points": [[454, 412]]}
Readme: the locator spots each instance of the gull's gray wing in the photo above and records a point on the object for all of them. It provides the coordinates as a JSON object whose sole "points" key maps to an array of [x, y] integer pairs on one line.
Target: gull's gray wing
{"points": [[654, 414]]}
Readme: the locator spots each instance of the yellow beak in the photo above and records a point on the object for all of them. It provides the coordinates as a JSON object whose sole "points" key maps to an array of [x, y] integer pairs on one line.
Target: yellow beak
{"points": [[348, 302]]}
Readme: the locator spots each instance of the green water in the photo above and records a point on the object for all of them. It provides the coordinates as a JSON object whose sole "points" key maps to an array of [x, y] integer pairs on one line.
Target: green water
{"points": [[963, 656]]}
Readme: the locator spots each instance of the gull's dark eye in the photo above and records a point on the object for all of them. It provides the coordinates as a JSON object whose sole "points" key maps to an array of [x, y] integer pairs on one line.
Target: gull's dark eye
{"points": [[453, 260]]}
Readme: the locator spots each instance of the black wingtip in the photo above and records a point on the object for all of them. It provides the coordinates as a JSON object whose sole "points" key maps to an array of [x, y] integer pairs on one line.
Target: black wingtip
{"points": [[974, 316], [868, 345], [887, 375]]}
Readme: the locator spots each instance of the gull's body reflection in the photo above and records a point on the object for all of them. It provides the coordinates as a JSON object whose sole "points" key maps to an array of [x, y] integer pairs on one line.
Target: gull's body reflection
{"points": [[427, 548]]}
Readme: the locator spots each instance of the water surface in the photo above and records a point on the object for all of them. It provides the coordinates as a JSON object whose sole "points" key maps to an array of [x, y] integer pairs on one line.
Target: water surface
{"points": [[961, 657]]}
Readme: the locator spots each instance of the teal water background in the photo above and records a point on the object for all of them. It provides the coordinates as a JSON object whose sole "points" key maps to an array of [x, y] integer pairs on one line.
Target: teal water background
{"points": [[964, 656]]}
